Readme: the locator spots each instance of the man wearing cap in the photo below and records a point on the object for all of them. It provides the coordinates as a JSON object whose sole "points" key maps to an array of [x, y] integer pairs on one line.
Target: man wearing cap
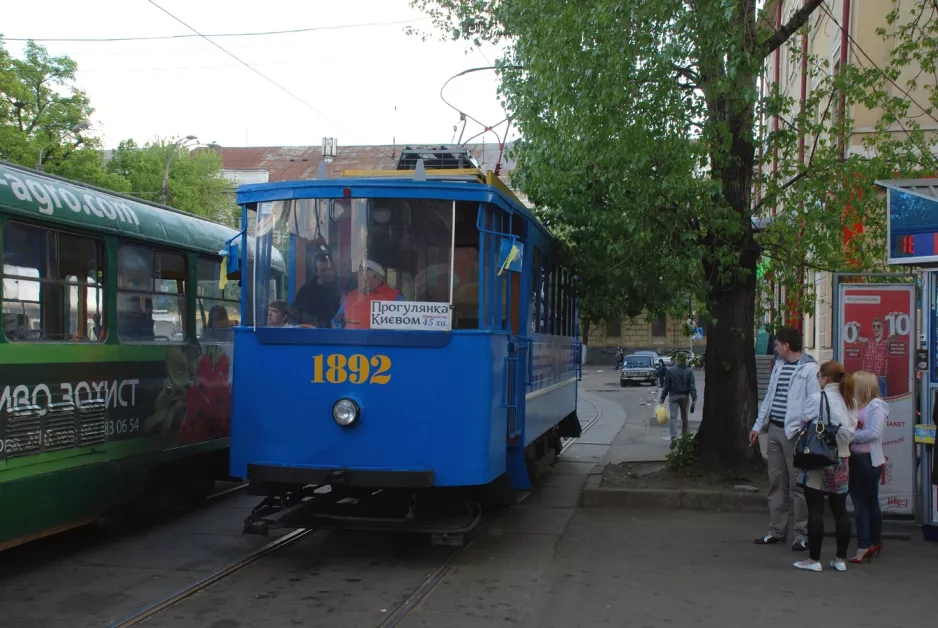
{"points": [[355, 310]]}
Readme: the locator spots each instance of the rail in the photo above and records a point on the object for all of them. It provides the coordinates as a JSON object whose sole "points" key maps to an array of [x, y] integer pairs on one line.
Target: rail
{"points": [[394, 617]]}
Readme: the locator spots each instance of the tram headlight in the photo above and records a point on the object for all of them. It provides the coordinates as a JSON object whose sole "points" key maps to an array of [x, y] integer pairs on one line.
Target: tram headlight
{"points": [[345, 412]]}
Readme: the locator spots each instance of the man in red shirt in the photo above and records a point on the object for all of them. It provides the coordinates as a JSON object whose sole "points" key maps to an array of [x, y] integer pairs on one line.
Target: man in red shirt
{"points": [[876, 354], [355, 310]]}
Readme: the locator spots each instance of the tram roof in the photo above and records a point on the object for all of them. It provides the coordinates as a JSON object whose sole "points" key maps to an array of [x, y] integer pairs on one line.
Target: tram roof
{"points": [[38, 195], [466, 184]]}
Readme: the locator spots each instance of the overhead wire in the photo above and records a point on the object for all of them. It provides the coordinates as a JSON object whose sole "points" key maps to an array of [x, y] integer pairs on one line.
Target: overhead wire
{"points": [[253, 69], [187, 36]]}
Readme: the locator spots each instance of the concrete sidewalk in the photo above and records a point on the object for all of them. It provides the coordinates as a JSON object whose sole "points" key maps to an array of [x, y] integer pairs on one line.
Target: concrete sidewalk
{"points": [[549, 564], [641, 438]]}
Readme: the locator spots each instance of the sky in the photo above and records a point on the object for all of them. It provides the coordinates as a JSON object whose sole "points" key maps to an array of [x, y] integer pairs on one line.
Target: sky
{"points": [[361, 85]]}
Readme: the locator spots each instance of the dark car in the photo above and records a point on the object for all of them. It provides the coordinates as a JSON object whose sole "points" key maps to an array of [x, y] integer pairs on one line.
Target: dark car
{"points": [[637, 368]]}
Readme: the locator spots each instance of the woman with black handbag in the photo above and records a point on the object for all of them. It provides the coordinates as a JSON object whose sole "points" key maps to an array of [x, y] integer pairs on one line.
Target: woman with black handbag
{"points": [[831, 417]]}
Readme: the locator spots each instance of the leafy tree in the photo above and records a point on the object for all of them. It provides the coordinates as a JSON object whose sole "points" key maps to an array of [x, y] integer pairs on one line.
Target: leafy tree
{"points": [[44, 119], [195, 183], [639, 135]]}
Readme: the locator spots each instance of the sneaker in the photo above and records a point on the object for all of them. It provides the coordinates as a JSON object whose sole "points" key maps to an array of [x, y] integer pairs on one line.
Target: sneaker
{"points": [[799, 546], [839, 564], [808, 565], [768, 539]]}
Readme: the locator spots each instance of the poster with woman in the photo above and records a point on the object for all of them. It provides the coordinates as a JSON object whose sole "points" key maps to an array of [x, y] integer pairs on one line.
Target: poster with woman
{"points": [[877, 334]]}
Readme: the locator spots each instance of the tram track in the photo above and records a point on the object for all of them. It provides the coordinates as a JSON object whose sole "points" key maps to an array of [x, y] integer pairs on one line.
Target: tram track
{"points": [[394, 616]]}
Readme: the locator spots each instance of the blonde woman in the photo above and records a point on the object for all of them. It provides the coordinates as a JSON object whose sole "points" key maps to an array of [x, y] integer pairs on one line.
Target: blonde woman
{"points": [[866, 465], [840, 408]]}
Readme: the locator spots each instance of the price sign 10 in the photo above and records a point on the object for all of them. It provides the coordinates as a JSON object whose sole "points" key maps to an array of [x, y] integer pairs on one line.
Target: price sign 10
{"points": [[896, 325]]}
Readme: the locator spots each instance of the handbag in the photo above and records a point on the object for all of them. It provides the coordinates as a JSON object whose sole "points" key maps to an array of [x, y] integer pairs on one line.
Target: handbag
{"points": [[816, 445]]}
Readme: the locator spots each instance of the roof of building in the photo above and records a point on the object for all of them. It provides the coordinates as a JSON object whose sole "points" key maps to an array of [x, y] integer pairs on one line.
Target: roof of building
{"points": [[290, 163]]}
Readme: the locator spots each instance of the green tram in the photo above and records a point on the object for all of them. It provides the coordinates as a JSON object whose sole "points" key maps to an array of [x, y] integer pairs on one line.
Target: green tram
{"points": [[115, 353]]}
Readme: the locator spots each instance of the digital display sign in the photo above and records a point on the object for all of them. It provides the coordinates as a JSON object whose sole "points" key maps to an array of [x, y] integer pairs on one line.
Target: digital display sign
{"points": [[913, 227]]}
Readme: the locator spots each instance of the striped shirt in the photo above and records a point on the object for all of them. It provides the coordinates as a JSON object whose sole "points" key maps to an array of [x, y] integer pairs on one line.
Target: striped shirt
{"points": [[780, 401]]}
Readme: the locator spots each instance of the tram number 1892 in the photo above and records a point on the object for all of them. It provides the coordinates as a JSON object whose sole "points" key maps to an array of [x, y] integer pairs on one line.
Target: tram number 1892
{"points": [[336, 368]]}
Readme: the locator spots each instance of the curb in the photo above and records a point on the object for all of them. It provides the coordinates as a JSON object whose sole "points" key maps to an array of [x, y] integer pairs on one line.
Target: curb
{"points": [[594, 495]]}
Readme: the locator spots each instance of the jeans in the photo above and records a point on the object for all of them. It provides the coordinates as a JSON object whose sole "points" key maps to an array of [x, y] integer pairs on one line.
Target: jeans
{"points": [[838, 502], [680, 403], [864, 492], [882, 386]]}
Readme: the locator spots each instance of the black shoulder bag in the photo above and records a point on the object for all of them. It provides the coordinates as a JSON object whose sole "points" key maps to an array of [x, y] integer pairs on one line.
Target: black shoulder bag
{"points": [[816, 446]]}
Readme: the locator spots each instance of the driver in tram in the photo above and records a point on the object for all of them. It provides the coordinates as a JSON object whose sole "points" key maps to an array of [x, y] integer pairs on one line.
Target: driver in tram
{"points": [[355, 310]]}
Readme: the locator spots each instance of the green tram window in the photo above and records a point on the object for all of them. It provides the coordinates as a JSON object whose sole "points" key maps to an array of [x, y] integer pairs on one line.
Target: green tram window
{"points": [[53, 286], [218, 303], [151, 295]]}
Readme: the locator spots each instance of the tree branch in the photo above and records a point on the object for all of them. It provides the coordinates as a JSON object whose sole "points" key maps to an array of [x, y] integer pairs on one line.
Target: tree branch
{"points": [[687, 73], [795, 179], [783, 34]]}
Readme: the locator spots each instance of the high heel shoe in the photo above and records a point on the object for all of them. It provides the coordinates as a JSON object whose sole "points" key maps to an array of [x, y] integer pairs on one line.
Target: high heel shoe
{"points": [[867, 556], [878, 549]]}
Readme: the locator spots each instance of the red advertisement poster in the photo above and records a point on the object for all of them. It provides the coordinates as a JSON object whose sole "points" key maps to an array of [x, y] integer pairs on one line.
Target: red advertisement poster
{"points": [[877, 337], [877, 334]]}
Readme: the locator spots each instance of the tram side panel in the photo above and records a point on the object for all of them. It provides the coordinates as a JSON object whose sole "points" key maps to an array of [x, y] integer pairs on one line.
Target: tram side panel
{"points": [[431, 410], [552, 388]]}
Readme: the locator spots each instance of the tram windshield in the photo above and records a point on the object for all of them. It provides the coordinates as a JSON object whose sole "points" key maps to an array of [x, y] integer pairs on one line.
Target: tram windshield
{"points": [[358, 263]]}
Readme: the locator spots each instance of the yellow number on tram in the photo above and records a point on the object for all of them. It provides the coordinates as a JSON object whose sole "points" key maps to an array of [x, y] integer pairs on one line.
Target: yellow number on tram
{"points": [[336, 368]]}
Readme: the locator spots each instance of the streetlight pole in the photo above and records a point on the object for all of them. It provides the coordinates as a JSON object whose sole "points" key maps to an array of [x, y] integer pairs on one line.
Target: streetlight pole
{"points": [[169, 160], [78, 128]]}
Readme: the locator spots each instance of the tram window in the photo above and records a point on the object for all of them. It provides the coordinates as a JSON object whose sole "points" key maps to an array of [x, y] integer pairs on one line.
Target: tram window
{"points": [[53, 286], [392, 249], [151, 295], [215, 305]]}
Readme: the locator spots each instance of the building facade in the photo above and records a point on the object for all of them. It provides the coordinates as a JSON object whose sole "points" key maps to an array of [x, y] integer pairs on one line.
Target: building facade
{"points": [[841, 32]]}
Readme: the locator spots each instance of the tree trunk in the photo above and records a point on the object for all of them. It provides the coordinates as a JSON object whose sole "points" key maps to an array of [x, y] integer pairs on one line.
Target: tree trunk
{"points": [[730, 371]]}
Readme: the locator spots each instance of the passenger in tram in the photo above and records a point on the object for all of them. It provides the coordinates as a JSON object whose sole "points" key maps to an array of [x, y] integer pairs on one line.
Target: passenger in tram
{"points": [[318, 299], [355, 310], [277, 314], [219, 327]]}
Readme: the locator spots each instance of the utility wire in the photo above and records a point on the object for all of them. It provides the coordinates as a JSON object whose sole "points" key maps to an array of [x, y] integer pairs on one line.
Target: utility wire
{"points": [[186, 36], [258, 72], [246, 64]]}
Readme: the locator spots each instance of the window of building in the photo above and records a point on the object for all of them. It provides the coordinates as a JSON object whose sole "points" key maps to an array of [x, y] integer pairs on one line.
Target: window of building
{"points": [[614, 327], [151, 295], [53, 286], [659, 328], [218, 303]]}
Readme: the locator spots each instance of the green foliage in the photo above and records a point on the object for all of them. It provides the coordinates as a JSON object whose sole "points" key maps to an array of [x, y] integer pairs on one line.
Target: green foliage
{"points": [[44, 117], [639, 134], [39, 108], [195, 182], [682, 453]]}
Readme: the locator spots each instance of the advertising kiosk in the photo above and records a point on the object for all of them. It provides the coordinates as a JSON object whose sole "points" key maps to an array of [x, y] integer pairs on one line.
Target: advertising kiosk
{"points": [[912, 241]]}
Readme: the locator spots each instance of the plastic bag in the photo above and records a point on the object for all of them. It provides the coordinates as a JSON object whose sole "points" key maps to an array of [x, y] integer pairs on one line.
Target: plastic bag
{"points": [[662, 414]]}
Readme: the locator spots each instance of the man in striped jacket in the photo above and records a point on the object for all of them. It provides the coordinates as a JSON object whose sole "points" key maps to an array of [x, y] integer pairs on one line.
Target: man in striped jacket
{"points": [[794, 378]]}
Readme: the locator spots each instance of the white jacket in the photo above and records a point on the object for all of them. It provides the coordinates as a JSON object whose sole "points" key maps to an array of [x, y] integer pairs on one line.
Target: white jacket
{"points": [[803, 384], [840, 415]]}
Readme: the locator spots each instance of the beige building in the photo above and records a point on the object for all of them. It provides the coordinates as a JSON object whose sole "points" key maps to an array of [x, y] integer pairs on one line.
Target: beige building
{"points": [[662, 335], [844, 33]]}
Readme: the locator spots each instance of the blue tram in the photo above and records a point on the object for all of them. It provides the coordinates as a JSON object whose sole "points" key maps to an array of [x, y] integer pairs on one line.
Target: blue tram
{"points": [[426, 354]]}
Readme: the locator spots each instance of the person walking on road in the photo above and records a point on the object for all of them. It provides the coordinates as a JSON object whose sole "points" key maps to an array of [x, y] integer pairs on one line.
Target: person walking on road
{"points": [[835, 404], [661, 372], [680, 386], [793, 380], [866, 465]]}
